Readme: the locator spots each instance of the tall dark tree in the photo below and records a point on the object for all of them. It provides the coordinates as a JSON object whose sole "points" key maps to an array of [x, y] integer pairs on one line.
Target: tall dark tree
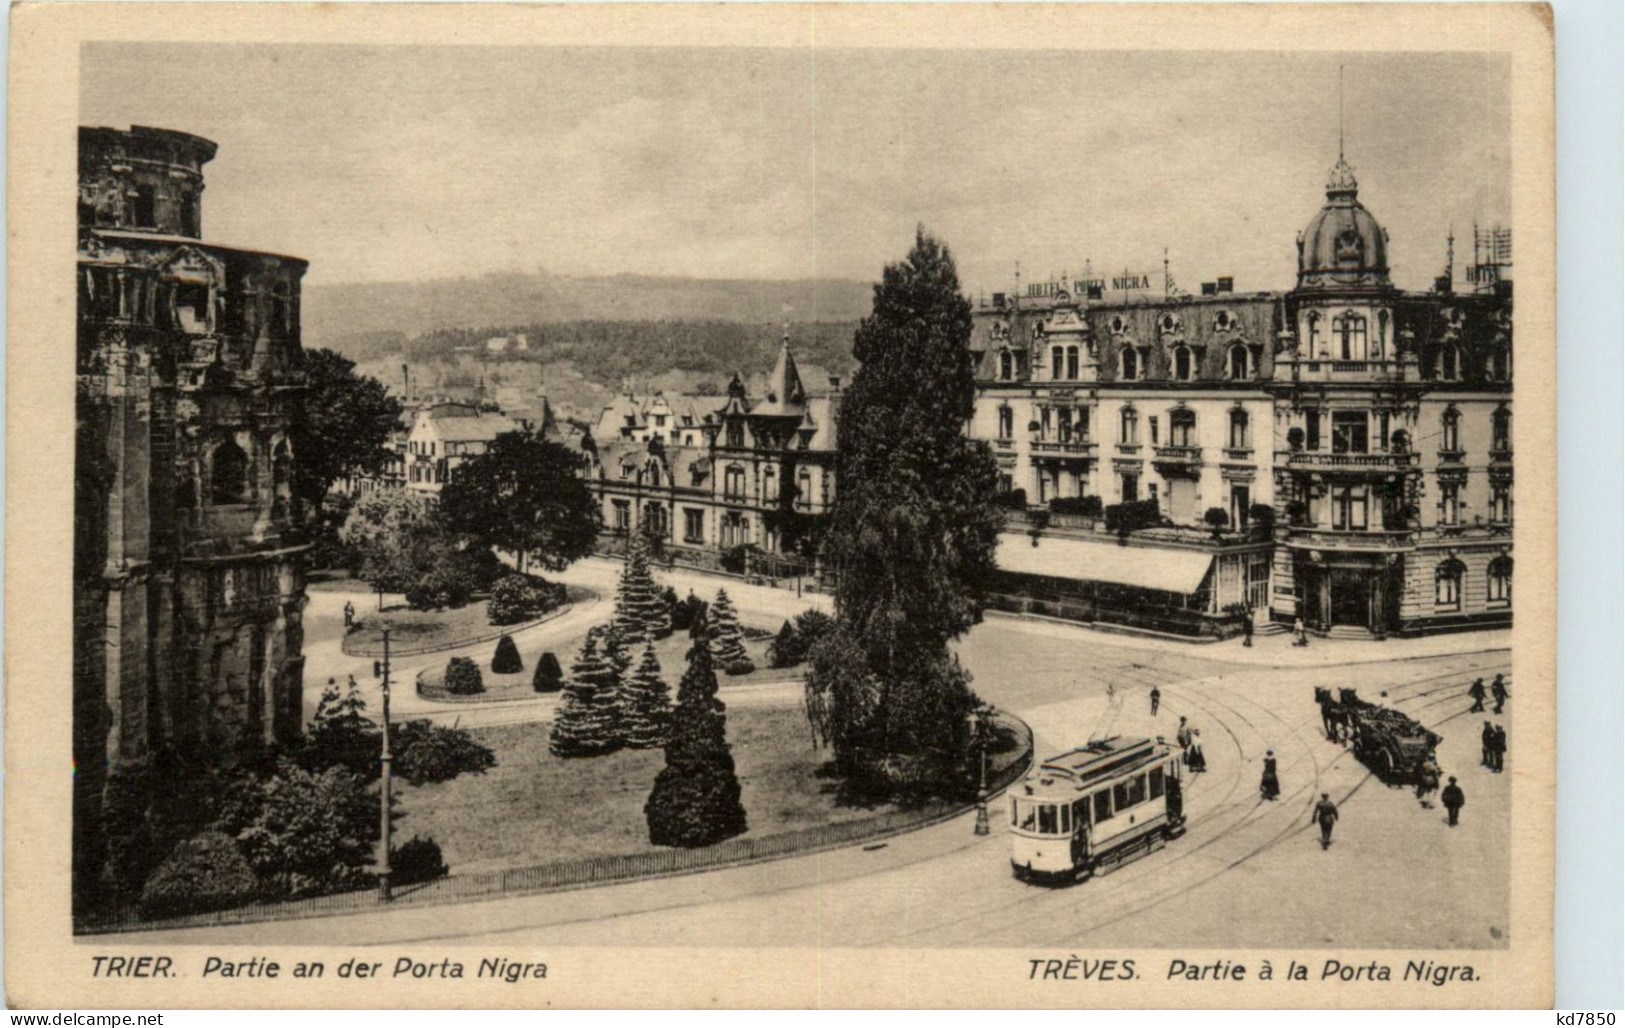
{"points": [[695, 799], [914, 529], [524, 494], [342, 428]]}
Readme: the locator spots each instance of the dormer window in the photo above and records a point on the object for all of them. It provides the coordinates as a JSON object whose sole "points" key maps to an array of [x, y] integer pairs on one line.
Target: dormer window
{"points": [[144, 207], [1007, 365], [1239, 361], [1182, 363], [1169, 325], [228, 473], [1131, 364], [736, 433], [1224, 321]]}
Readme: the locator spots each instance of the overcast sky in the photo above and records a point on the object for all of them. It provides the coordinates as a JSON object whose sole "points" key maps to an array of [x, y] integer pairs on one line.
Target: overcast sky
{"points": [[407, 163]]}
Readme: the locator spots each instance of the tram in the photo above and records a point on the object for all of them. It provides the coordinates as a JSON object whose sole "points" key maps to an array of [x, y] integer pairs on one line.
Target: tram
{"points": [[1094, 808]]}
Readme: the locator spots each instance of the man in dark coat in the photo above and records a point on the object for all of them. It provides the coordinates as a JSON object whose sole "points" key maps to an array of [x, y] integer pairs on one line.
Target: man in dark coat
{"points": [[1453, 800], [1156, 699], [1498, 689], [1247, 628], [1325, 815], [1476, 691], [1487, 740], [1183, 735], [1499, 750]]}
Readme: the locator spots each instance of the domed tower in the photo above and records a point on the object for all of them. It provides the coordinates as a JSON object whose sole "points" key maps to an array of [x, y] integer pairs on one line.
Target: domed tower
{"points": [[1344, 309]]}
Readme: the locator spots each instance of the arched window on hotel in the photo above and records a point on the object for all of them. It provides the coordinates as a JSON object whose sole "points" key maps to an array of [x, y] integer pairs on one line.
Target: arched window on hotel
{"points": [[1182, 427], [1007, 365], [228, 473], [1007, 422], [1238, 362], [1501, 430], [1450, 430], [1381, 341], [1182, 364], [804, 489], [1131, 364], [1239, 430], [1057, 356], [1128, 427], [1072, 362], [1450, 363], [1500, 580], [1447, 585], [1349, 328], [1499, 365], [1313, 323], [733, 482]]}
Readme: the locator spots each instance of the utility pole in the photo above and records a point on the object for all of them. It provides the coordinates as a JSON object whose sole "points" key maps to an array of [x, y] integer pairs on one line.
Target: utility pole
{"points": [[384, 792]]}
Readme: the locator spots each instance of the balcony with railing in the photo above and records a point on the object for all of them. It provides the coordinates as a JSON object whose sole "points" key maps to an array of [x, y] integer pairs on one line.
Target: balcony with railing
{"points": [[1062, 448], [1377, 540], [1179, 456], [1326, 460], [1325, 369]]}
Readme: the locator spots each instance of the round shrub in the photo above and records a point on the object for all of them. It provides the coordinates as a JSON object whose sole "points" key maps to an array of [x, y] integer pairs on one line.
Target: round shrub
{"points": [[463, 677], [516, 598], [549, 676], [416, 860], [206, 872], [428, 753], [506, 661]]}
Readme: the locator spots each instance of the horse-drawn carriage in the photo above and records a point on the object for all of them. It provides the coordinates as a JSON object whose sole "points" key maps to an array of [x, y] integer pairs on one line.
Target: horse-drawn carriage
{"points": [[1395, 746]]}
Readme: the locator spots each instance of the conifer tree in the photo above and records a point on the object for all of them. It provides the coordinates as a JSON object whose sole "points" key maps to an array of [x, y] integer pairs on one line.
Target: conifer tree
{"points": [[580, 728], [647, 704], [640, 607], [695, 799], [617, 649], [915, 525], [727, 640]]}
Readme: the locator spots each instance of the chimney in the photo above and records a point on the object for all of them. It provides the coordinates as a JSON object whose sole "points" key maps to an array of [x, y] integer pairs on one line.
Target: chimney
{"points": [[998, 301], [1226, 284], [1210, 289], [406, 383]]}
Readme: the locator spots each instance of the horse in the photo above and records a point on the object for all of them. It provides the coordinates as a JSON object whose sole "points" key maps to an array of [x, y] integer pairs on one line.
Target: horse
{"points": [[1333, 717]]}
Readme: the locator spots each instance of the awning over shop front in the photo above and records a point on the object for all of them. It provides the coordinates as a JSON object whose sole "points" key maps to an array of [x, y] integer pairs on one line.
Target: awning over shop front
{"points": [[1170, 570]]}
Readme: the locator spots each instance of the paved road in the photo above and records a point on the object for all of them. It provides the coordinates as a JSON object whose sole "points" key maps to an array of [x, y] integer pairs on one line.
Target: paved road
{"points": [[1247, 872]]}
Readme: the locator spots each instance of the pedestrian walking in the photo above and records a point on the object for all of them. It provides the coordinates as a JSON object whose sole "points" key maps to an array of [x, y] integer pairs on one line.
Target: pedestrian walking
{"points": [[349, 614], [1301, 637], [1487, 741], [1499, 751], [1476, 691], [1270, 786], [1453, 800], [1498, 689], [1427, 782], [1156, 700], [1247, 629], [1325, 815], [1183, 737], [1195, 756]]}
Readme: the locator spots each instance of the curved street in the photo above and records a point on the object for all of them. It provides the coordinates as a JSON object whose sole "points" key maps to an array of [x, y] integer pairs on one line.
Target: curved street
{"points": [[1395, 874]]}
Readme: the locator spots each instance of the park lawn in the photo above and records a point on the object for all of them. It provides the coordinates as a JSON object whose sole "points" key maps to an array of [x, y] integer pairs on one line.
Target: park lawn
{"points": [[420, 629], [534, 808]]}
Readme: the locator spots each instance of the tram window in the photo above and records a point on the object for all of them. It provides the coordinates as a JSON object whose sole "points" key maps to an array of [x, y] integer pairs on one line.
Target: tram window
{"points": [[1080, 812], [1046, 819], [1029, 816], [1066, 819], [1129, 792], [1103, 805], [1156, 783]]}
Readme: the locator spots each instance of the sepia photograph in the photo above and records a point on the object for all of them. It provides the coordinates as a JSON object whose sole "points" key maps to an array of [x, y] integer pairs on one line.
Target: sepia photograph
{"points": [[890, 498]]}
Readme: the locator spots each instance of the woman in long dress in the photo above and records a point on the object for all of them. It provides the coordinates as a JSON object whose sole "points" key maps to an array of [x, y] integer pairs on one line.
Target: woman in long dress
{"points": [[1270, 786]]}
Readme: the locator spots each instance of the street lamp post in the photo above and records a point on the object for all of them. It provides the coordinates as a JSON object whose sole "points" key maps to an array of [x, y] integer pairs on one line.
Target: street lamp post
{"points": [[979, 726], [386, 761]]}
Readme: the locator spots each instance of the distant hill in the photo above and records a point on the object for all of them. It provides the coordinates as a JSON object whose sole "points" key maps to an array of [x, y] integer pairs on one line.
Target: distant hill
{"points": [[368, 316]]}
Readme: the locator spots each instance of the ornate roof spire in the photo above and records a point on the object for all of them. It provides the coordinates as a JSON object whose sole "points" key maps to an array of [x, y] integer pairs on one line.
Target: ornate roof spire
{"points": [[1340, 182]]}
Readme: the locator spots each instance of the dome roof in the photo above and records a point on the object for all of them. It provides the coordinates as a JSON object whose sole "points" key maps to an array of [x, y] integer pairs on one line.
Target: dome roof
{"points": [[1343, 245]]}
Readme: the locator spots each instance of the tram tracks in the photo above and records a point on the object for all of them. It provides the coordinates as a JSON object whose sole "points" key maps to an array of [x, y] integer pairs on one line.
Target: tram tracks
{"points": [[1305, 737]]}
